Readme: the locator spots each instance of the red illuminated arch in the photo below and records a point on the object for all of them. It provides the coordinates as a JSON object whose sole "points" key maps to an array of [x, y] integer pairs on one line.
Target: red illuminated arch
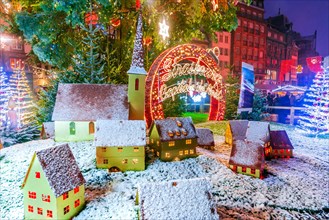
{"points": [[163, 66]]}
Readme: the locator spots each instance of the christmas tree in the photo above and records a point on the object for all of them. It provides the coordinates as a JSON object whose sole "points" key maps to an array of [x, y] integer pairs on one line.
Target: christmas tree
{"points": [[316, 120], [3, 100]]}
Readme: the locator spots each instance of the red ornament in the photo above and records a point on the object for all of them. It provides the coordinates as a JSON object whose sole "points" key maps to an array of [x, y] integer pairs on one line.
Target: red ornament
{"points": [[147, 41], [138, 4], [91, 17], [115, 22]]}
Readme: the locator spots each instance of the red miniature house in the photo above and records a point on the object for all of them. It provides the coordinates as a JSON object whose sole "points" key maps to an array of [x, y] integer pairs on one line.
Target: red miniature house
{"points": [[280, 145]]}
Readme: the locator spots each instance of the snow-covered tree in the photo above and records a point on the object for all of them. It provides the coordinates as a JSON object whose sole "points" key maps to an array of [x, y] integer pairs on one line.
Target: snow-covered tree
{"points": [[3, 99], [316, 119]]}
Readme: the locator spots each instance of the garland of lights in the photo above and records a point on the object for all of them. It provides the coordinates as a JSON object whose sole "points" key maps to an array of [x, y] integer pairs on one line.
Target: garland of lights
{"points": [[169, 65]]}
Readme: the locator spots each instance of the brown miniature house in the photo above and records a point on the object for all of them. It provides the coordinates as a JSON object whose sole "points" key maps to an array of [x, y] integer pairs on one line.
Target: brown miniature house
{"points": [[173, 138], [47, 130], [205, 138], [247, 157], [236, 130], [53, 187], [280, 145], [177, 199], [120, 144]]}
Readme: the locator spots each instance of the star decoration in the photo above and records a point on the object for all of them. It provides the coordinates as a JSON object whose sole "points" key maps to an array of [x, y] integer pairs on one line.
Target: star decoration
{"points": [[164, 29]]}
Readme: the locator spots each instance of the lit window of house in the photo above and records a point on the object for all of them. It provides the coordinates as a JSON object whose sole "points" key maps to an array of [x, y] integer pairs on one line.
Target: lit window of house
{"points": [[179, 123], [253, 171], [136, 84], [125, 161], [158, 154], [171, 143], [76, 203], [72, 128], [66, 209], [244, 169], [37, 175], [158, 143], [45, 198], [184, 132], [152, 140], [180, 152], [186, 152], [167, 155], [104, 149], [135, 161], [49, 213], [234, 168], [40, 211], [188, 141], [136, 149], [105, 161], [76, 189], [120, 149], [65, 195], [191, 151], [32, 195], [177, 132], [170, 133], [30, 208], [91, 127]]}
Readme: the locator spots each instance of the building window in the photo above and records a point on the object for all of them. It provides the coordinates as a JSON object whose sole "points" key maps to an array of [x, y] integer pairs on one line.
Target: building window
{"points": [[103, 149], [45, 198], [124, 161], [30, 208], [282, 151], [37, 175], [91, 127], [136, 149], [135, 161], [253, 171], [16, 63], [49, 213], [167, 155], [72, 128], [244, 169], [158, 153], [191, 151], [180, 153], [226, 39], [226, 52], [152, 140], [186, 152], [32, 195], [158, 143], [171, 143], [183, 130], [76, 189], [234, 168], [170, 133], [188, 141], [105, 161], [136, 84], [66, 209], [177, 132], [120, 149], [220, 38], [179, 123], [76, 203], [65, 195], [40, 211]]}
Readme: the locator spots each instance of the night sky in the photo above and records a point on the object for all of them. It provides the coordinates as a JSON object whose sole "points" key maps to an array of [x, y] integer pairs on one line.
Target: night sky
{"points": [[306, 16]]}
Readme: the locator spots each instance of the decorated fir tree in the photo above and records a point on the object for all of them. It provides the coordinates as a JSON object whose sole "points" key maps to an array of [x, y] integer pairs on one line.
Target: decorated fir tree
{"points": [[316, 120], [3, 99]]}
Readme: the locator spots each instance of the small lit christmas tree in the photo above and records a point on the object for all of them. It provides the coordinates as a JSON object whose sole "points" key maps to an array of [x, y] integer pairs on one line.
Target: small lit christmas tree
{"points": [[316, 120], [3, 99]]}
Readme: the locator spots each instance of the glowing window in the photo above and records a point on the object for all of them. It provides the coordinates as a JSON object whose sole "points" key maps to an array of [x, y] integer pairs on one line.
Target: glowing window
{"points": [[30, 208], [152, 140], [136, 149], [32, 195], [103, 149], [37, 175], [40, 211], [45, 198], [180, 152], [244, 169], [105, 161], [179, 123], [65, 196], [158, 143], [191, 151], [253, 171], [49, 213], [167, 155], [135, 161], [188, 141], [136, 84], [171, 143], [66, 209], [170, 133], [186, 152], [91, 127], [234, 168], [120, 149], [184, 132], [158, 153], [76, 203], [76, 189], [72, 128], [125, 161], [177, 133]]}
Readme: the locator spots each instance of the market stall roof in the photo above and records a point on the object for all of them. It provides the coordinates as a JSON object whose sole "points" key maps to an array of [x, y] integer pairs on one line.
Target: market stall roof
{"points": [[289, 88]]}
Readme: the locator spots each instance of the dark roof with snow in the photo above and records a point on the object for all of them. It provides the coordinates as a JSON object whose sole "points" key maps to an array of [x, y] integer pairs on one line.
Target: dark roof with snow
{"points": [[178, 199], [60, 168], [247, 154], [90, 102], [183, 126], [137, 62], [280, 140], [205, 137], [239, 129], [120, 133]]}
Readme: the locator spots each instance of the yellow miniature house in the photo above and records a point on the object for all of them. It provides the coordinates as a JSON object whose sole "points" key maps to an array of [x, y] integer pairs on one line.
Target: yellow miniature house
{"points": [[53, 187]]}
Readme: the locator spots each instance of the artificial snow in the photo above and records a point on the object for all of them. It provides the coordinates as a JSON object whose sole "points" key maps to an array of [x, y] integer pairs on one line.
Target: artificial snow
{"points": [[297, 188]]}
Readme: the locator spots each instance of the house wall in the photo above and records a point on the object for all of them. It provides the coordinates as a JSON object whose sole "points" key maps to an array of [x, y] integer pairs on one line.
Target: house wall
{"points": [[39, 186], [228, 135], [136, 98], [62, 131], [257, 173], [125, 158], [61, 204], [179, 151], [154, 139], [278, 153]]}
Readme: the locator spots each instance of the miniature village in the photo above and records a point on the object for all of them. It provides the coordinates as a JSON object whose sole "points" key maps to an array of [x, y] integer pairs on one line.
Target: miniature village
{"points": [[100, 159]]}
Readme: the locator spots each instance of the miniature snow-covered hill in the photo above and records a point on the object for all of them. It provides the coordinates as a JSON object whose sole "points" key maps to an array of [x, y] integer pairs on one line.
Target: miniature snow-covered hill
{"points": [[297, 188]]}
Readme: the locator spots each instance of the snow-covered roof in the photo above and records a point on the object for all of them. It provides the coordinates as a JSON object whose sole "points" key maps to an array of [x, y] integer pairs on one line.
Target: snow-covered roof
{"points": [[48, 130], [239, 129], [280, 140], [258, 131], [247, 154], [114, 133], [137, 63], [60, 168], [90, 102], [205, 137], [183, 126], [178, 199]]}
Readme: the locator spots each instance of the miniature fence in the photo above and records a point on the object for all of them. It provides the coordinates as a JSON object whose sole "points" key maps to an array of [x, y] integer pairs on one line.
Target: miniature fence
{"points": [[292, 109]]}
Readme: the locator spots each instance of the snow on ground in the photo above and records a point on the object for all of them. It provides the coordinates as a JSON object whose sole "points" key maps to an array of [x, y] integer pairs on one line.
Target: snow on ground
{"points": [[297, 188]]}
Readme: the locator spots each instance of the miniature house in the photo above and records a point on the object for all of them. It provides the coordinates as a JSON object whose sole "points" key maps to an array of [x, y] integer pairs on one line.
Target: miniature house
{"points": [[178, 199], [247, 157], [53, 187], [258, 131], [78, 106], [47, 130], [205, 138], [236, 130], [173, 138], [280, 145], [120, 144]]}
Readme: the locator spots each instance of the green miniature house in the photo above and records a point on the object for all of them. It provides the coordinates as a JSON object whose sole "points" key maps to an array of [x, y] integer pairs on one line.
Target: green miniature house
{"points": [[53, 187], [78, 106], [173, 138], [120, 144]]}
